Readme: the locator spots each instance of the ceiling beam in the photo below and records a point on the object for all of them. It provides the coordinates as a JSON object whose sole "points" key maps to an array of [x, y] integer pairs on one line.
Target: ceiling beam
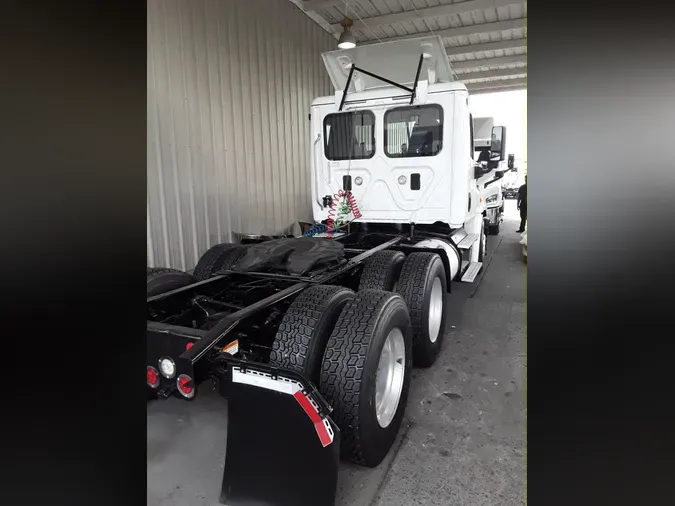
{"points": [[499, 26], [426, 13], [519, 71], [486, 46], [493, 86], [317, 5], [317, 19], [489, 62]]}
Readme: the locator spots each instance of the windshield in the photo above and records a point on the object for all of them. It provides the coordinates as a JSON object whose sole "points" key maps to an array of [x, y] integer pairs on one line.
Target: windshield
{"points": [[349, 135]]}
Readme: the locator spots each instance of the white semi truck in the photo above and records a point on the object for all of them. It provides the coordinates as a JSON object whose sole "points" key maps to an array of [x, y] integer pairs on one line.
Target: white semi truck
{"points": [[312, 340], [398, 136]]}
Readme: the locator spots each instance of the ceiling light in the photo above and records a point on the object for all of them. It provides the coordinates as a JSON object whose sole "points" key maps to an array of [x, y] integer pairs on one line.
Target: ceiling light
{"points": [[427, 50], [347, 39]]}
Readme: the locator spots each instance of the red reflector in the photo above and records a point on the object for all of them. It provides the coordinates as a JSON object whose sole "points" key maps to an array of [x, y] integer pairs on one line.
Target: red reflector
{"points": [[152, 376], [188, 346], [185, 385], [324, 436]]}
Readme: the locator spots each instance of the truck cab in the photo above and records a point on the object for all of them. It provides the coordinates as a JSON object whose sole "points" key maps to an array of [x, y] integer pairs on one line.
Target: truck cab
{"points": [[398, 136], [490, 184]]}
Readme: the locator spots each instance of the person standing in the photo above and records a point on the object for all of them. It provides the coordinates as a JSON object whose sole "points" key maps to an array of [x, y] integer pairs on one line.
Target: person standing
{"points": [[522, 206]]}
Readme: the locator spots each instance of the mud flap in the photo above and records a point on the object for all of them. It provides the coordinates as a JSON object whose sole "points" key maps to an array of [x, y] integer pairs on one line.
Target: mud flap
{"points": [[282, 447]]}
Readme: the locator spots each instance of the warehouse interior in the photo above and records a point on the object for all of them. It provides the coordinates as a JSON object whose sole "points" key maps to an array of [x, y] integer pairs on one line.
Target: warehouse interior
{"points": [[229, 89], [230, 83]]}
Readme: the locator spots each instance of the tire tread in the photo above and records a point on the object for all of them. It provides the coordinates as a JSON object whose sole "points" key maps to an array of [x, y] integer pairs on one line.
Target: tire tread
{"points": [[232, 257], [411, 286], [153, 272], [344, 361], [174, 278], [381, 270], [210, 261], [292, 345]]}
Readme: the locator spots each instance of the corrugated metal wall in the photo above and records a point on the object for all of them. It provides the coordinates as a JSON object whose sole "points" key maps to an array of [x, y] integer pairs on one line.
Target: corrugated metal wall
{"points": [[230, 83]]}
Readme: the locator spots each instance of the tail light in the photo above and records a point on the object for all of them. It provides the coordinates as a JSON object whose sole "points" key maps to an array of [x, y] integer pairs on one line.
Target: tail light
{"points": [[152, 377], [186, 386]]}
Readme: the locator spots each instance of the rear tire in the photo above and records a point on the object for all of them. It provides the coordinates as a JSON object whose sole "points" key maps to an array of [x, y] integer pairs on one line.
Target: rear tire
{"points": [[349, 373], [423, 285], [381, 271], [232, 256], [305, 328], [212, 260], [161, 280], [493, 229]]}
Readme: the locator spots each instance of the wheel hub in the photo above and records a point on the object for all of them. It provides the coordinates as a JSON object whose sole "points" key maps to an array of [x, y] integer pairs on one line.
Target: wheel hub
{"points": [[435, 310], [389, 378]]}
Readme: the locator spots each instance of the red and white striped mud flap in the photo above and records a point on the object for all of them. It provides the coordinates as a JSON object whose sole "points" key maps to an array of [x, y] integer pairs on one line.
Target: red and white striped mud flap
{"points": [[275, 437]]}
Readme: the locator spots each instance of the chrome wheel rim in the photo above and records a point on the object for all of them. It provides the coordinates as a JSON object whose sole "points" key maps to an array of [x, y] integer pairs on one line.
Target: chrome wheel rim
{"points": [[435, 310], [389, 377]]}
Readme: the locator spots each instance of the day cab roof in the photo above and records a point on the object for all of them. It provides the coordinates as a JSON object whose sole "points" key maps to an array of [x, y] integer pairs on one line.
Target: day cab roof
{"points": [[397, 61]]}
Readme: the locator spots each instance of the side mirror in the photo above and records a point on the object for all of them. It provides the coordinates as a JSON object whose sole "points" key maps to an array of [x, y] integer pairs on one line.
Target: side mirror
{"points": [[498, 144]]}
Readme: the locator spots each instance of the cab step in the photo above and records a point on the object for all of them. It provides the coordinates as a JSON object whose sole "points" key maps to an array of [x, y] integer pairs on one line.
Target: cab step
{"points": [[471, 272], [468, 241]]}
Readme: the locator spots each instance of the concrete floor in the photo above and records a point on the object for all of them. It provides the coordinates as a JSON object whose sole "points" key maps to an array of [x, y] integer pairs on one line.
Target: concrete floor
{"points": [[463, 439]]}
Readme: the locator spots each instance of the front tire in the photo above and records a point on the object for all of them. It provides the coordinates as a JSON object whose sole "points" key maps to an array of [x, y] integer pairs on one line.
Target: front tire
{"points": [[366, 373], [423, 285]]}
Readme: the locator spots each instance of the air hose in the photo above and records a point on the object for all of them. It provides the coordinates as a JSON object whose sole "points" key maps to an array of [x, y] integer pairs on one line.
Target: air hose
{"points": [[316, 229], [342, 204]]}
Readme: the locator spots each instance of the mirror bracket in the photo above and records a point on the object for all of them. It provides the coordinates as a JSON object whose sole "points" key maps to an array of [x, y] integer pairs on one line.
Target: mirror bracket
{"points": [[498, 175]]}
